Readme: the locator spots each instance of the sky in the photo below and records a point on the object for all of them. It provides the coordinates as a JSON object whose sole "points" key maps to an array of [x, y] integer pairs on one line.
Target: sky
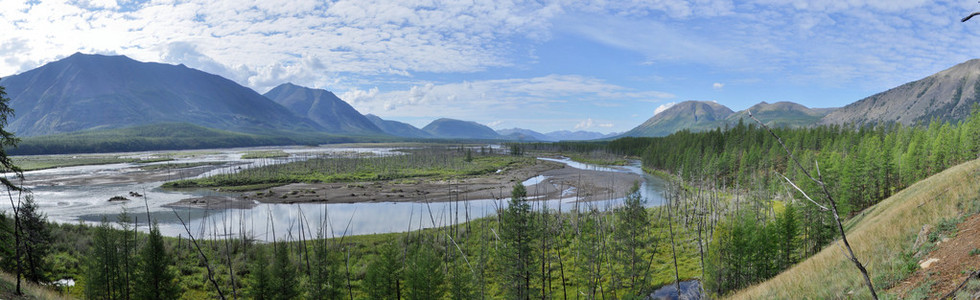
{"points": [[545, 65]]}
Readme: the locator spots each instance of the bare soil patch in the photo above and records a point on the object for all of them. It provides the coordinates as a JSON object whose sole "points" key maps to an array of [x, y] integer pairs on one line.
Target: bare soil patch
{"points": [[951, 263]]}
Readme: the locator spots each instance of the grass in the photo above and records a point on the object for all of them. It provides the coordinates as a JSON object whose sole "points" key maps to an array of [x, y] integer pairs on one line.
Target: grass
{"points": [[880, 239], [430, 163], [33, 163], [179, 166], [265, 154], [8, 287]]}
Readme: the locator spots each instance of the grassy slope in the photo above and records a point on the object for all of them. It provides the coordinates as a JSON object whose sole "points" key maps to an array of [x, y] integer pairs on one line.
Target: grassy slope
{"points": [[8, 285], [879, 236]]}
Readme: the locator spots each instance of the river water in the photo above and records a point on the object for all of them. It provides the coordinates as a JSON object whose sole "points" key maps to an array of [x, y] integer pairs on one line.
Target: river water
{"points": [[74, 203]]}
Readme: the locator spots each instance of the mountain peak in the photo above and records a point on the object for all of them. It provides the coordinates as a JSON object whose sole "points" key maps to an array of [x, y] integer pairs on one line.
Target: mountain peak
{"points": [[88, 91], [458, 129], [324, 108]]}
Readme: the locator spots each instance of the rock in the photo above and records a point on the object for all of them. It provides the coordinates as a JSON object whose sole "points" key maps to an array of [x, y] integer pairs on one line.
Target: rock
{"points": [[118, 198], [928, 263]]}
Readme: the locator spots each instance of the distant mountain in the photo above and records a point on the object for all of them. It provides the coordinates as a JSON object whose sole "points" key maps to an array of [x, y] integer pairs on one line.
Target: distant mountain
{"points": [[396, 128], [565, 135], [169, 136], [84, 92], [324, 108], [456, 129], [522, 134], [947, 95], [692, 115], [781, 114]]}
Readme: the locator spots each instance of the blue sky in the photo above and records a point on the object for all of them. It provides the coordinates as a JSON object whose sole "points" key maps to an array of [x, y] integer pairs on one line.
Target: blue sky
{"points": [[544, 65]]}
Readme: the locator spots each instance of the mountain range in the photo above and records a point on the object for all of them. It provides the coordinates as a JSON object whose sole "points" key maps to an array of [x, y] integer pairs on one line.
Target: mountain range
{"points": [[86, 93]]}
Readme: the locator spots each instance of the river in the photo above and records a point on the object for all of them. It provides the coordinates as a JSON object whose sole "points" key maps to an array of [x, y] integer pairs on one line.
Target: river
{"points": [[67, 200]]}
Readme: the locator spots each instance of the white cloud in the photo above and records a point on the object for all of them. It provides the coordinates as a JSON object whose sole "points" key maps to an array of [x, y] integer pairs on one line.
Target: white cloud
{"points": [[717, 85], [663, 107], [495, 123], [586, 124]]}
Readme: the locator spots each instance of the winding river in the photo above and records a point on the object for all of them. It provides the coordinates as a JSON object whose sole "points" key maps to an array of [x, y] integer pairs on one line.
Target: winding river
{"points": [[74, 201]]}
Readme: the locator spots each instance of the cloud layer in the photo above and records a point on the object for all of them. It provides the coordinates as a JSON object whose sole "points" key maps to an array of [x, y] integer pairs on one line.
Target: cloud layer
{"points": [[483, 59]]}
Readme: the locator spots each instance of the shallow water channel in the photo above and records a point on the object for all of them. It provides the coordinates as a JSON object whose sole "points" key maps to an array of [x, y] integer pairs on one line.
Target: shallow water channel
{"points": [[67, 202]]}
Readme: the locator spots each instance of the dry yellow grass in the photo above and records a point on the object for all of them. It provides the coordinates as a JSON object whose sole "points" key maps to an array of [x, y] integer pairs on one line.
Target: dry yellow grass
{"points": [[31, 291], [879, 236]]}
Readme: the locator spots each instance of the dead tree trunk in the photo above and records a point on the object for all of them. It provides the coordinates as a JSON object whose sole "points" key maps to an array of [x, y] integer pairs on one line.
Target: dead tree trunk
{"points": [[833, 206]]}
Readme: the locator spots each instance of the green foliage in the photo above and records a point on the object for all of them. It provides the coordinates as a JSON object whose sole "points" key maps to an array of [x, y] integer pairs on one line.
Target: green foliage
{"points": [[282, 274], [326, 281], [35, 241], [101, 278], [155, 279], [260, 285], [383, 278], [630, 240], [424, 278], [517, 235], [747, 250]]}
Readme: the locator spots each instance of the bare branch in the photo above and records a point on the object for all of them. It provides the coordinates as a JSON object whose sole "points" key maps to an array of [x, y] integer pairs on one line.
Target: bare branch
{"points": [[833, 206], [823, 208]]}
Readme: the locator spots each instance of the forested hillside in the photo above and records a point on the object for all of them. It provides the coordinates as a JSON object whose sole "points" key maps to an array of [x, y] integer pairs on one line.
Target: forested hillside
{"points": [[768, 226]]}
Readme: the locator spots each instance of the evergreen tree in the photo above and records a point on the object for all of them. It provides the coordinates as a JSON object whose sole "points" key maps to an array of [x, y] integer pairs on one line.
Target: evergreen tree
{"points": [[382, 280], [326, 280], [283, 274], [101, 265], [516, 233], [155, 279], [35, 240], [423, 277], [259, 281], [787, 228], [630, 239]]}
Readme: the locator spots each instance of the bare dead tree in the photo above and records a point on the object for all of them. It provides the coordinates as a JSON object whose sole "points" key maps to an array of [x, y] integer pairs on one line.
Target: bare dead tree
{"points": [[833, 207], [203, 256]]}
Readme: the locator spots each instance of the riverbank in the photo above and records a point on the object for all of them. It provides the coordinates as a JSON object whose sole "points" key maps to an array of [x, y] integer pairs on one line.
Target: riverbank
{"points": [[545, 180]]}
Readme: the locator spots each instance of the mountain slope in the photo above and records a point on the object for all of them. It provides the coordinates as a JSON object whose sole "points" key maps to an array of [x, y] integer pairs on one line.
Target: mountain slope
{"points": [[881, 236], [692, 115], [95, 91], [781, 114], [396, 128], [947, 95], [523, 134], [456, 129], [324, 108], [566, 135]]}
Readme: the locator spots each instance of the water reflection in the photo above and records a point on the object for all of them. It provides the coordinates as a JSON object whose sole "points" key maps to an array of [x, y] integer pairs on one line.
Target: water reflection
{"points": [[266, 222]]}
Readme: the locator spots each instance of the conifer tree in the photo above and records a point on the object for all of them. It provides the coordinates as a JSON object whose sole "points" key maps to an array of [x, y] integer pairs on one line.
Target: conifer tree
{"points": [[101, 265], [283, 274], [630, 238], [259, 280], [382, 280], [424, 278], [516, 233], [326, 281], [155, 279], [35, 240]]}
